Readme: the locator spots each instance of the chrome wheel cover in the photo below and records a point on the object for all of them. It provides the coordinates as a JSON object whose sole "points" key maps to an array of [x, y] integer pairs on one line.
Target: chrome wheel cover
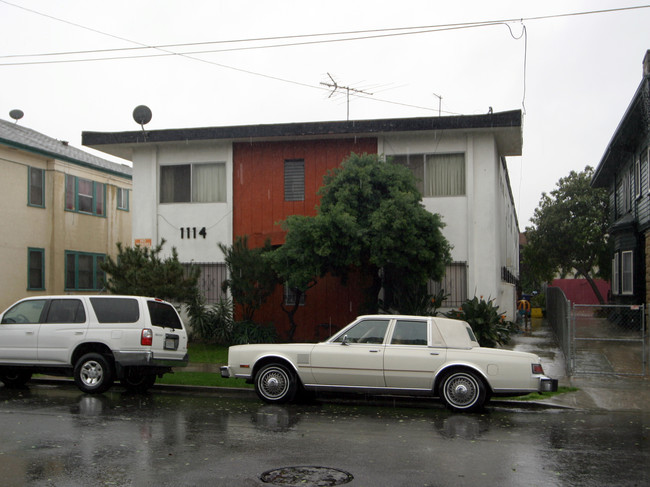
{"points": [[461, 390], [273, 383]]}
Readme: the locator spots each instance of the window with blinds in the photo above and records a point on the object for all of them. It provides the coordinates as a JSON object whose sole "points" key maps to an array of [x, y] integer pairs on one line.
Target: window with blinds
{"points": [[294, 180], [436, 174]]}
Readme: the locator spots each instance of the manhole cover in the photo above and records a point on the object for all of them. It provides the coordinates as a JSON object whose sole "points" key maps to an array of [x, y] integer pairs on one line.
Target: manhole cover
{"points": [[316, 476]]}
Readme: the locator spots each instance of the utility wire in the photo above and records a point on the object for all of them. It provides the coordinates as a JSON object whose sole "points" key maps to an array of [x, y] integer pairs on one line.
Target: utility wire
{"points": [[378, 33]]}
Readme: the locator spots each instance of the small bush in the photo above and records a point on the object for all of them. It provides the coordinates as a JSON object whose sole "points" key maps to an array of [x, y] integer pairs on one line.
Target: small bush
{"points": [[212, 324], [538, 301], [250, 332], [490, 327]]}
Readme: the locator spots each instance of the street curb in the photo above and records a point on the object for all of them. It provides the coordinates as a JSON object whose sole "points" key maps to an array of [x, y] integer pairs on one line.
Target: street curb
{"points": [[238, 391]]}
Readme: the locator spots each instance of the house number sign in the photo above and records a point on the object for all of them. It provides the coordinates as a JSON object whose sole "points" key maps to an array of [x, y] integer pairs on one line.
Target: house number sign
{"points": [[191, 232]]}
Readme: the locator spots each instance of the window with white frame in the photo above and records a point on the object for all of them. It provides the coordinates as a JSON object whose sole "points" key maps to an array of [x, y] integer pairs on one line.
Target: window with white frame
{"points": [[122, 199], [615, 275], [627, 272], [193, 183], [637, 177], [645, 159], [436, 174]]}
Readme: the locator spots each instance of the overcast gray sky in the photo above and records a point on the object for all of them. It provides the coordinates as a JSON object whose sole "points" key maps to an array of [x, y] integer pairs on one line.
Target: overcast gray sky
{"points": [[573, 75]]}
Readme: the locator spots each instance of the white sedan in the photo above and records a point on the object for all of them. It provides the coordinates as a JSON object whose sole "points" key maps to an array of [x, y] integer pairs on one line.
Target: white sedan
{"points": [[391, 354]]}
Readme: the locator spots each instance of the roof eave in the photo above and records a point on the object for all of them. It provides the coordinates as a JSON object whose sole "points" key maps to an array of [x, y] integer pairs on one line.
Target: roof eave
{"points": [[507, 127], [603, 172]]}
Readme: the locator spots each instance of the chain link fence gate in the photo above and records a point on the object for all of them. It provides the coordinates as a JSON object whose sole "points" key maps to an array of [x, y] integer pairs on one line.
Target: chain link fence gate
{"points": [[607, 339]]}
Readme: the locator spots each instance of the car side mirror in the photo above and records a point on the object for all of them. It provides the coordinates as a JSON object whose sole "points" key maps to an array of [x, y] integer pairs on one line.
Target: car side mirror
{"points": [[345, 340]]}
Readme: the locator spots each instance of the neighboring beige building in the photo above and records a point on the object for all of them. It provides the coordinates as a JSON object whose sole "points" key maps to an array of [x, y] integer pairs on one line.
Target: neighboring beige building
{"points": [[62, 211]]}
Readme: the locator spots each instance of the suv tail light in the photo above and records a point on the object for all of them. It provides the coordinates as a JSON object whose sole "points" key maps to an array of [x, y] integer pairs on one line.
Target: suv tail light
{"points": [[537, 369], [146, 339]]}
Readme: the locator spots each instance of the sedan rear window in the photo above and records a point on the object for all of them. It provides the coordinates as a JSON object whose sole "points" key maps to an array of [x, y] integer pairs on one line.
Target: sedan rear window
{"points": [[116, 310], [164, 315]]}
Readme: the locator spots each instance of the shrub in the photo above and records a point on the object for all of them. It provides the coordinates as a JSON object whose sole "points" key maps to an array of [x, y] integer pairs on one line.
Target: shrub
{"points": [[538, 301], [490, 327], [212, 324], [250, 332]]}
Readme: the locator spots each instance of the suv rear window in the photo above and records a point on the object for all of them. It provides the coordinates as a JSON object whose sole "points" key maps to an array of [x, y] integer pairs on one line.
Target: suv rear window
{"points": [[164, 315], [116, 310]]}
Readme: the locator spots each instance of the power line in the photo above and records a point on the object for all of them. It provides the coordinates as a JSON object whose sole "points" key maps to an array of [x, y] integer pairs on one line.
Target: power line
{"points": [[356, 35], [367, 34]]}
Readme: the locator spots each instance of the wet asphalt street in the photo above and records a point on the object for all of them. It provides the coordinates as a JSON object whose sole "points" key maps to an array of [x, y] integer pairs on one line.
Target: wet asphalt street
{"points": [[53, 435]]}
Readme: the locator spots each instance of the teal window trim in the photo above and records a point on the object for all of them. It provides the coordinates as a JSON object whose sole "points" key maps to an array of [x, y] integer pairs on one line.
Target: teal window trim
{"points": [[29, 187], [125, 196], [73, 279], [30, 269], [95, 190]]}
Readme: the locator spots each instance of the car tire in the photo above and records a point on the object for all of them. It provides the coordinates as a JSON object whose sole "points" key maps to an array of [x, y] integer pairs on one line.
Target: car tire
{"points": [[138, 381], [463, 391], [14, 378], [93, 373], [276, 384]]}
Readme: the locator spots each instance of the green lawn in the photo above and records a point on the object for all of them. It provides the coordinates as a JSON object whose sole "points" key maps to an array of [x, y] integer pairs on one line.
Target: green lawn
{"points": [[201, 353]]}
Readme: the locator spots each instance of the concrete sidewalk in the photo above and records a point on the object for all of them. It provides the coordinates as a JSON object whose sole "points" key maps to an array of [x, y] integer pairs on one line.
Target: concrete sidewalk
{"points": [[604, 392]]}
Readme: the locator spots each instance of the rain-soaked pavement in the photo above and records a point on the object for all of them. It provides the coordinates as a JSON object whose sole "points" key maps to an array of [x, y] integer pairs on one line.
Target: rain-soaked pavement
{"points": [[53, 435]]}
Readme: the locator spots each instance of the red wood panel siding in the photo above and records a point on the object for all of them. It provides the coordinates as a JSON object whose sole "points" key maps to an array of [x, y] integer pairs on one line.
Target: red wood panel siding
{"points": [[258, 202], [258, 185]]}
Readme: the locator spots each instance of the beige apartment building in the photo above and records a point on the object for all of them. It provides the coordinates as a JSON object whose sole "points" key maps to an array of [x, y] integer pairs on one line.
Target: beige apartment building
{"points": [[62, 211]]}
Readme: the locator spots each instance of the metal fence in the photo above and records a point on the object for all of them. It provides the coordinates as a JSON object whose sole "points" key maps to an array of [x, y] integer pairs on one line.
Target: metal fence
{"points": [[558, 314], [210, 279], [608, 339], [599, 339]]}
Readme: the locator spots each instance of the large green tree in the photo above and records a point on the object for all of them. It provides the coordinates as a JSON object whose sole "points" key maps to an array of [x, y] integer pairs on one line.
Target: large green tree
{"points": [[569, 232], [141, 271], [371, 220]]}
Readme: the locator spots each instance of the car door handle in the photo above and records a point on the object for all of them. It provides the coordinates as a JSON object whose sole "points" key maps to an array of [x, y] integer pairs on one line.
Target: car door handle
{"points": [[78, 332], [373, 351], [29, 332], [434, 353]]}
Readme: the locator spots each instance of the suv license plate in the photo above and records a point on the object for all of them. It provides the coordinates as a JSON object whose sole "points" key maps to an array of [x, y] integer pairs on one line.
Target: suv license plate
{"points": [[171, 343]]}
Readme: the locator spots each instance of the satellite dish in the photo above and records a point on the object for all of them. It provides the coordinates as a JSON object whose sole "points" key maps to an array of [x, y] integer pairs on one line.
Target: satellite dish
{"points": [[16, 114], [142, 115]]}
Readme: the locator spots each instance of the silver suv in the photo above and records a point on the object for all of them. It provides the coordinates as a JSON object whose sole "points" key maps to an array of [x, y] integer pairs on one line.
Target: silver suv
{"points": [[94, 339]]}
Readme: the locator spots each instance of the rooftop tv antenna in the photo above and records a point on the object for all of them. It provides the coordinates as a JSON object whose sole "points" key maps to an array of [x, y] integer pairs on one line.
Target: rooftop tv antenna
{"points": [[439, 104], [142, 116], [335, 86], [16, 115]]}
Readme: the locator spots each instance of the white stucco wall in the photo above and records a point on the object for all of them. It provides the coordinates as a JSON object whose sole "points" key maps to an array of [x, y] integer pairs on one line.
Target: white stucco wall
{"points": [[476, 224], [156, 221]]}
